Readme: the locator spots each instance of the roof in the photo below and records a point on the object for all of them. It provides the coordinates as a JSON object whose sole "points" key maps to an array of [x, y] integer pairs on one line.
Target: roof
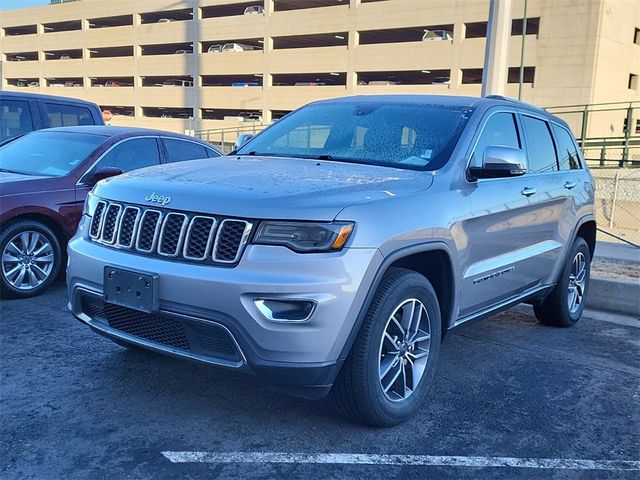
{"points": [[123, 132], [451, 100], [4, 94]]}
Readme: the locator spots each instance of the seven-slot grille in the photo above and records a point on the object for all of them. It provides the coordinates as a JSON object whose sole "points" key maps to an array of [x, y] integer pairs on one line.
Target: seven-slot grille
{"points": [[168, 233]]}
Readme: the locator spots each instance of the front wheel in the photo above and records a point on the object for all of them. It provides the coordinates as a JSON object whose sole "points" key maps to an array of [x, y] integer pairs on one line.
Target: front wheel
{"points": [[564, 305], [31, 258], [388, 372]]}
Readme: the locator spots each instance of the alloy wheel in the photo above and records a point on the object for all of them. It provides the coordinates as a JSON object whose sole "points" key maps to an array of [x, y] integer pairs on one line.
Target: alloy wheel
{"points": [[577, 282], [404, 350], [27, 260]]}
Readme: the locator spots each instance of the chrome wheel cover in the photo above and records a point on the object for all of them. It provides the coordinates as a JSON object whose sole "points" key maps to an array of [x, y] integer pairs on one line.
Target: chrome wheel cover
{"points": [[404, 350], [27, 260], [577, 282]]}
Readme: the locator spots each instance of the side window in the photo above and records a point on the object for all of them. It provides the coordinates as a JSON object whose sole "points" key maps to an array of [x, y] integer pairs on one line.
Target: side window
{"points": [[180, 150], [68, 115], [567, 152], [500, 130], [542, 153], [130, 155], [15, 118], [212, 153]]}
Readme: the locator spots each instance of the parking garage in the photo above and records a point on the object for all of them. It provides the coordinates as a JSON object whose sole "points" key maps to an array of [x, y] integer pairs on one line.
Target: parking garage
{"points": [[232, 10], [308, 41], [285, 5], [65, 82], [254, 80], [167, 16], [401, 35], [22, 57], [168, 81], [21, 30], [107, 52], [167, 112], [184, 48], [109, 82], [71, 54], [108, 22], [67, 26], [122, 111], [23, 82], [309, 79], [228, 46], [231, 114], [406, 77]]}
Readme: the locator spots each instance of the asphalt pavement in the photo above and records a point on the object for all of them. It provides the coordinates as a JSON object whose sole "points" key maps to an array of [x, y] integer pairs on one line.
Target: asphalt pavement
{"points": [[512, 399]]}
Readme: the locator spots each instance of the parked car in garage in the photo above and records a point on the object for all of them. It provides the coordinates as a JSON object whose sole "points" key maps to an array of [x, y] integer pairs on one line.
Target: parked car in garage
{"points": [[45, 177], [22, 113]]}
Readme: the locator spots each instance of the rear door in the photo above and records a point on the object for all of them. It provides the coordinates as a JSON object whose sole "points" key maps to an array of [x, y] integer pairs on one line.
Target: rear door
{"points": [[17, 117], [505, 237], [179, 150], [66, 115]]}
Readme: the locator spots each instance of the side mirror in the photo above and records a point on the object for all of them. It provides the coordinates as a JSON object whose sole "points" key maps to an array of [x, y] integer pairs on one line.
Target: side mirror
{"points": [[500, 162], [242, 139], [105, 172]]}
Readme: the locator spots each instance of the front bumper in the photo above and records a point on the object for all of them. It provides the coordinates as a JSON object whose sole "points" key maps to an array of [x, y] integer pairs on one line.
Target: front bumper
{"points": [[210, 301]]}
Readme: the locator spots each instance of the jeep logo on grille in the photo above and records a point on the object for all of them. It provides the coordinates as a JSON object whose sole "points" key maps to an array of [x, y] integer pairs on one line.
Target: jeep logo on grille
{"points": [[155, 198]]}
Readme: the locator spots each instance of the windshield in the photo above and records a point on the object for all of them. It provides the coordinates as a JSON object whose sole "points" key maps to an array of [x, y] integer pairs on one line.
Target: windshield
{"points": [[419, 137], [53, 154]]}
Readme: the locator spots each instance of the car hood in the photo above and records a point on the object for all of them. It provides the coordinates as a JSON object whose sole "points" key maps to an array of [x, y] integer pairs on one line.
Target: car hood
{"points": [[19, 184], [262, 187]]}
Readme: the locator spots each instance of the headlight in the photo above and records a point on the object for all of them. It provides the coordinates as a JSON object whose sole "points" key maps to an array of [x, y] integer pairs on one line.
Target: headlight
{"points": [[304, 237], [90, 204]]}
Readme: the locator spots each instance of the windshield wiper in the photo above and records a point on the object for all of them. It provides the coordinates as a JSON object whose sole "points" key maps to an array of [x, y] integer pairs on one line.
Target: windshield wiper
{"points": [[6, 170]]}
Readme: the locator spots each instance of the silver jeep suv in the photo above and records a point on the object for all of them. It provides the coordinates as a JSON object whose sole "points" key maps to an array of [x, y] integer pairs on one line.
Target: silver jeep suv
{"points": [[334, 251]]}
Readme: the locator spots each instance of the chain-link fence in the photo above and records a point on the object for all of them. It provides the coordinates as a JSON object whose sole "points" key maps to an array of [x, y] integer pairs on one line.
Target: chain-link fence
{"points": [[618, 204]]}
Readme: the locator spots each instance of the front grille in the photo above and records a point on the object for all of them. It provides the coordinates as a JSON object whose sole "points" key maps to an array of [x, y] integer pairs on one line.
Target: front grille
{"points": [[199, 237], [127, 226], [153, 327], [110, 221], [197, 337], [232, 234], [148, 230], [169, 233], [96, 222]]}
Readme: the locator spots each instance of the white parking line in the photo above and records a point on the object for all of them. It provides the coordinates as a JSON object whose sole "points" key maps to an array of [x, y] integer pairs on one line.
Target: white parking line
{"points": [[417, 460]]}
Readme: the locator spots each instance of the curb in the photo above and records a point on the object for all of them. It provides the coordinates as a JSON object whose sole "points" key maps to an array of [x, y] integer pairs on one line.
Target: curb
{"points": [[617, 296]]}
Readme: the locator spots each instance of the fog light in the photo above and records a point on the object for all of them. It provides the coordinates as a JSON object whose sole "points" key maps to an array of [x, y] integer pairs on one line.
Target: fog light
{"points": [[285, 310]]}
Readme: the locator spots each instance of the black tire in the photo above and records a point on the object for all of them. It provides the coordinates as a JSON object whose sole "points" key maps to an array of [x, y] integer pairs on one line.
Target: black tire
{"points": [[7, 289], [357, 392], [554, 310]]}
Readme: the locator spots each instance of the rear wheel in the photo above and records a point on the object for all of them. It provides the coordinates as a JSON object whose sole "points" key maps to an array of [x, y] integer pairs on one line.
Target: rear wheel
{"points": [[388, 372], [564, 305], [31, 258]]}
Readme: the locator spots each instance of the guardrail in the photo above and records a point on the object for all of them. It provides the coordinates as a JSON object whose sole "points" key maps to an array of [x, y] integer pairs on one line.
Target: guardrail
{"points": [[225, 138]]}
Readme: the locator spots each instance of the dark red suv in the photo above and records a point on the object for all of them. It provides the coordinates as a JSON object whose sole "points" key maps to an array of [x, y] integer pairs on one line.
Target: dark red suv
{"points": [[44, 178]]}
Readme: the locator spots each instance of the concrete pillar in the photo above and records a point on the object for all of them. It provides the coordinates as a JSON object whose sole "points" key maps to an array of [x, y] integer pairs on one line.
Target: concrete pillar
{"points": [[496, 66]]}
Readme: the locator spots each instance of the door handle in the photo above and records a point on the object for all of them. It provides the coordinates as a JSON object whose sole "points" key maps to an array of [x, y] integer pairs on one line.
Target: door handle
{"points": [[569, 185], [528, 191]]}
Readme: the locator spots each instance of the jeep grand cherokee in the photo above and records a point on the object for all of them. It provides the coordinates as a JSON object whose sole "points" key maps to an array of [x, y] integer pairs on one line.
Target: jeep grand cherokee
{"points": [[333, 252]]}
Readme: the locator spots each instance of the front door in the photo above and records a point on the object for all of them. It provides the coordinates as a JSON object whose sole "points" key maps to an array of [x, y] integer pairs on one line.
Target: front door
{"points": [[508, 248]]}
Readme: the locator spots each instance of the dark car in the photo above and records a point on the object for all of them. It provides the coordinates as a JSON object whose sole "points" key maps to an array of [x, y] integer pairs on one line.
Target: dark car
{"points": [[22, 113], [44, 178]]}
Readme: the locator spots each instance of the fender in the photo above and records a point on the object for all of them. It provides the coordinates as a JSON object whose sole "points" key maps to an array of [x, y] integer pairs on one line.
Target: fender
{"points": [[373, 287], [574, 233]]}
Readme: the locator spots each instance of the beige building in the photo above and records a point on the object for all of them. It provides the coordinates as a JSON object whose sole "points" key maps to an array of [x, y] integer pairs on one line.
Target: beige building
{"points": [[156, 63]]}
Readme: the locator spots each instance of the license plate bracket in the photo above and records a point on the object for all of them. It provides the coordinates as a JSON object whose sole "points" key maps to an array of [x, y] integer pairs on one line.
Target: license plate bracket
{"points": [[127, 288]]}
